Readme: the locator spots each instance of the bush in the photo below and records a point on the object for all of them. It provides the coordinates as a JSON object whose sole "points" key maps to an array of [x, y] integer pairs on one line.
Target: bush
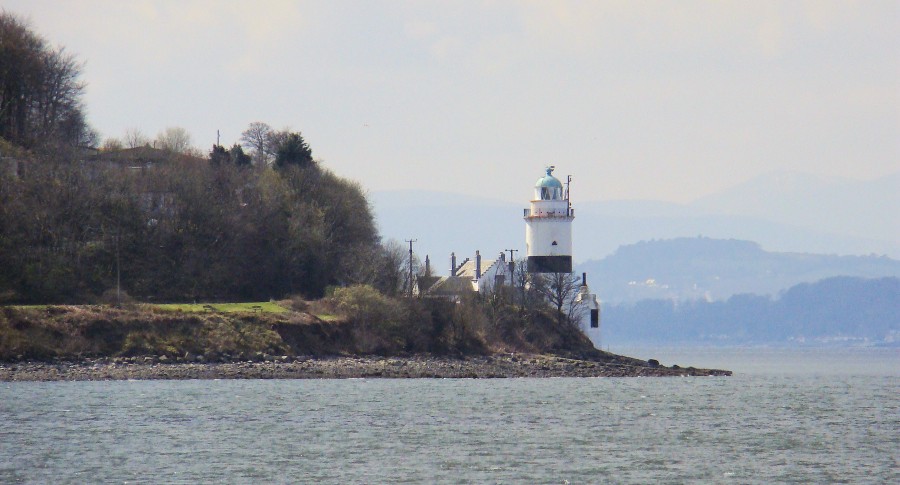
{"points": [[366, 305], [113, 297], [298, 303], [382, 326]]}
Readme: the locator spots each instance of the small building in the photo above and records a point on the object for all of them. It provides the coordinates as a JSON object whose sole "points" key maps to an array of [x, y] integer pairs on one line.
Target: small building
{"points": [[472, 275], [589, 313]]}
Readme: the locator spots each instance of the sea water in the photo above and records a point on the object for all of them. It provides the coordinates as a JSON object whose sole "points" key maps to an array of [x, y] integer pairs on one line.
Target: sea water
{"points": [[786, 416]]}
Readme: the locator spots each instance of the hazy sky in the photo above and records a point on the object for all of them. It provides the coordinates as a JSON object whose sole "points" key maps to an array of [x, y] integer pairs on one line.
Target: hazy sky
{"points": [[658, 100]]}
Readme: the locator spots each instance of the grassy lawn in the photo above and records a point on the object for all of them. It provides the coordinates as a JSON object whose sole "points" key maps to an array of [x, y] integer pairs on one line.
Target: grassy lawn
{"points": [[28, 307], [264, 306]]}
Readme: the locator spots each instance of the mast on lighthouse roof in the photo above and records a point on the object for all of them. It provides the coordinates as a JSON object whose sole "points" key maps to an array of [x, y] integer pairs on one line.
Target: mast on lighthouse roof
{"points": [[548, 227]]}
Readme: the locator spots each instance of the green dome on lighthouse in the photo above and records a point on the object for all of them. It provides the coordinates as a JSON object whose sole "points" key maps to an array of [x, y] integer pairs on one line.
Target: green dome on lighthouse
{"points": [[549, 180], [548, 187]]}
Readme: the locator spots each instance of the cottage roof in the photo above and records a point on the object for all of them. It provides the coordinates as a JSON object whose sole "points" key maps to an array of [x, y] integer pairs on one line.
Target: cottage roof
{"points": [[467, 269], [451, 286]]}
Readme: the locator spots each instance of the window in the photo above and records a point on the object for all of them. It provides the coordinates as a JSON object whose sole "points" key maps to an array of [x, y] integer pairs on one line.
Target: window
{"points": [[595, 318]]}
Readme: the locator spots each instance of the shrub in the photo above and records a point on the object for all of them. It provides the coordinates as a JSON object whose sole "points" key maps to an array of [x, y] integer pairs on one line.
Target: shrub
{"points": [[380, 321], [298, 303], [113, 297], [365, 305]]}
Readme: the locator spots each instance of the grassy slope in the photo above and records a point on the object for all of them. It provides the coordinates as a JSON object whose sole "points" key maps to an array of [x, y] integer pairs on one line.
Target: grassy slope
{"points": [[228, 331], [264, 307], [95, 330]]}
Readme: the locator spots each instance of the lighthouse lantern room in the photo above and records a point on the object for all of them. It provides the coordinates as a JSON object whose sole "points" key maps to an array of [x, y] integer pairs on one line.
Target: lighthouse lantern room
{"points": [[548, 227]]}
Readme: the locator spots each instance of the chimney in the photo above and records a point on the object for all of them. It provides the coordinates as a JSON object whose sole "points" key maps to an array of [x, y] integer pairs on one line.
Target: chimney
{"points": [[427, 266], [477, 264], [452, 264], [583, 279]]}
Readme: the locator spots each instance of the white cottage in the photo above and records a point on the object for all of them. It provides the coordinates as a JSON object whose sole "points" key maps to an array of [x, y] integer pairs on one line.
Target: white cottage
{"points": [[476, 275]]}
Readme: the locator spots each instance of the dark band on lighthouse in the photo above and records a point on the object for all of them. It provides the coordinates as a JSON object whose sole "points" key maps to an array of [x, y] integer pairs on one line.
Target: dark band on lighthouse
{"points": [[549, 264]]}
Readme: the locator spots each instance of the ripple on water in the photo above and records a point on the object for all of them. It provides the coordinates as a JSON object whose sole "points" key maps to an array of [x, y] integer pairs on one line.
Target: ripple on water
{"points": [[745, 429]]}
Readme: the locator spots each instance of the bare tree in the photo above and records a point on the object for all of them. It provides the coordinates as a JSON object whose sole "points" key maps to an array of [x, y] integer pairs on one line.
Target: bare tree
{"points": [[111, 145], [174, 139], [527, 286], [392, 277], [59, 99], [561, 291], [134, 138], [257, 139], [40, 90]]}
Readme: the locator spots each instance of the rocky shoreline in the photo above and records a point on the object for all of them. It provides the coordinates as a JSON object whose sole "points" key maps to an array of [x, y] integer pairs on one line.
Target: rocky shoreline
{"points": [[344, 367]]}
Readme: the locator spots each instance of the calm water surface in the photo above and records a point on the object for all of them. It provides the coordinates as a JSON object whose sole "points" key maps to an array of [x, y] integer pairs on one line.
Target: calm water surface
{"points": [[786, 416]]}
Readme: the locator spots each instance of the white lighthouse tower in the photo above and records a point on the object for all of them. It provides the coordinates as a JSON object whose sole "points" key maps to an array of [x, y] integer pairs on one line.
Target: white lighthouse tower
{"points": [[548, 227]]}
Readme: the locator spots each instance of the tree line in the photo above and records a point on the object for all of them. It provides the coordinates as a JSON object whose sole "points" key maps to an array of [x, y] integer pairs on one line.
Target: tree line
{"points": [[832, 310], [160, 219], [40, 91], [181, 229]]}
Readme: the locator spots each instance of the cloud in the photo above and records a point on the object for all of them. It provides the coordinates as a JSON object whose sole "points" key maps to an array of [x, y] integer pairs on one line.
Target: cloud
{"points": [[703, 93]]}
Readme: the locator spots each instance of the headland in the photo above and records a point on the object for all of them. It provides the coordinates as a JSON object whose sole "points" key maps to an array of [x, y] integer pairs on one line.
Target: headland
{"points": [[85, 343]]}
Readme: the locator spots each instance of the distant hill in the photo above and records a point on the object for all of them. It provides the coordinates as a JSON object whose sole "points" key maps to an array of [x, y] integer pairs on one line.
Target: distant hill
{"points": [[782, 212], [716, 269], [838, 311], [866, 209]]}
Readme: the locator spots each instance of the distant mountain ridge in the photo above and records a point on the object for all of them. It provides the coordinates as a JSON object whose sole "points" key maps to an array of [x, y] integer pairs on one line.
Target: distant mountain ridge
{"points": [[684, 269], [787, 212], [857, 208], [840, 311]]}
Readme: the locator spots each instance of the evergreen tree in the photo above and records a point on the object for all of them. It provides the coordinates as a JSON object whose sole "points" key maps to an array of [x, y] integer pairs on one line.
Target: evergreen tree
{"points": [[292, 150]]}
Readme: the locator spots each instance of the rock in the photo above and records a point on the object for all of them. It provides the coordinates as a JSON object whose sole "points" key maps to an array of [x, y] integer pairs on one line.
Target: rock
{"points": [[163, 359]]}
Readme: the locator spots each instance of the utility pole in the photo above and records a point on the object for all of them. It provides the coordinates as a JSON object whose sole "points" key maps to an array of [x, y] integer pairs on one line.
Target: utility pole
{"points": [[411, 241], [118, 272], [511, 251]]}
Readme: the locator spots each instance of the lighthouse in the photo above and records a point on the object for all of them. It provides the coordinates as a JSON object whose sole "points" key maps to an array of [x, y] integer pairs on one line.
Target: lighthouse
{"points": [[548, 227]]}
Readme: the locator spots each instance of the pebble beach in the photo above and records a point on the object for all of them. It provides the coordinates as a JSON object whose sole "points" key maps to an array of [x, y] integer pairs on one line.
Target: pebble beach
{"points": [[344, 367]]}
